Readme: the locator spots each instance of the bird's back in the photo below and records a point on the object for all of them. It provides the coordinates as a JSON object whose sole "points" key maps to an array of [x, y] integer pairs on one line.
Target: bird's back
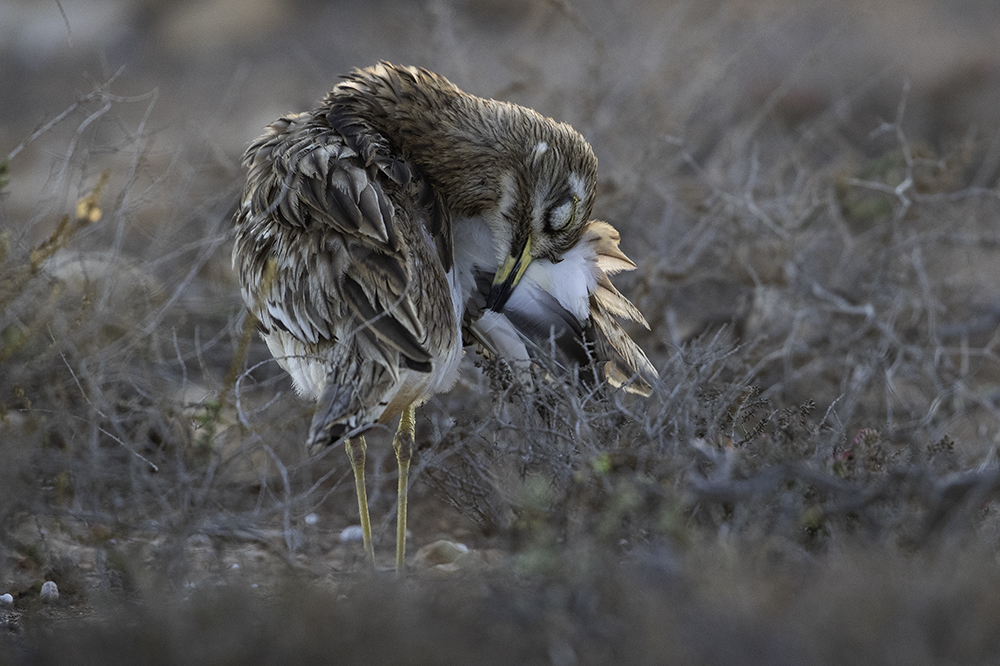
{"points": [[337, 260]]}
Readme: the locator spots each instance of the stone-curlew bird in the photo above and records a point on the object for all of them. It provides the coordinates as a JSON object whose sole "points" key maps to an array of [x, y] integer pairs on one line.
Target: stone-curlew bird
{"points": [[402, 211]]}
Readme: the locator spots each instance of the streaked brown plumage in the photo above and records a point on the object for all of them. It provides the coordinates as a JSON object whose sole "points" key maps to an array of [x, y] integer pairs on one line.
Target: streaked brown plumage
{"points": [[378, 226]]}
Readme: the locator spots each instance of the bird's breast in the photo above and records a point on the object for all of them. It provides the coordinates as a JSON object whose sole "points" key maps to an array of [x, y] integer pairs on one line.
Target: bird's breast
{"points": [[569, 282], [475, 252]]}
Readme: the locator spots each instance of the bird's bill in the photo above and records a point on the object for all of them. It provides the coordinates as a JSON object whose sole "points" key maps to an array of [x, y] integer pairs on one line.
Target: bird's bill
{"points": [[507, 277]]}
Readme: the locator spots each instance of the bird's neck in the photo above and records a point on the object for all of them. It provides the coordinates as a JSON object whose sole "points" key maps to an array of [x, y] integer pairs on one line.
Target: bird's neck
{"points": [[462, 148], [461, 143]]}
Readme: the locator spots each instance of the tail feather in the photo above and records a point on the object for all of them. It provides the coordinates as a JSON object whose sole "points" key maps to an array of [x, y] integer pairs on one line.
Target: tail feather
{"points": [[328, 423], [342, 409]]}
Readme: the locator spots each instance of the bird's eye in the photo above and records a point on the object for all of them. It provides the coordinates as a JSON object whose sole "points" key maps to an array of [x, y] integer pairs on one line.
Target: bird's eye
{"points": [[563, 215]]}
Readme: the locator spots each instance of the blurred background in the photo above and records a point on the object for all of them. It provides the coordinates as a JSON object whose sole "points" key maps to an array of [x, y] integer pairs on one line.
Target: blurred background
{"points": [[635, 78], [809, 189]]}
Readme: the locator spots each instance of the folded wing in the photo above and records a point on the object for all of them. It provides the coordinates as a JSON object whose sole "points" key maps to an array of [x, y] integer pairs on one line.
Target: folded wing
{"points": [[569, 311], [346, 269]]}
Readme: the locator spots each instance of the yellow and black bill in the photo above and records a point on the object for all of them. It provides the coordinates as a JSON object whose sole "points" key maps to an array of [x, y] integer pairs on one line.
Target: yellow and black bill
{"points": [[507, 277]]}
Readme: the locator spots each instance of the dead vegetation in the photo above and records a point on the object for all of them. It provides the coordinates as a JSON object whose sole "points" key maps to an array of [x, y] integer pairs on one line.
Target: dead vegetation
{"points": [[814, 479]]}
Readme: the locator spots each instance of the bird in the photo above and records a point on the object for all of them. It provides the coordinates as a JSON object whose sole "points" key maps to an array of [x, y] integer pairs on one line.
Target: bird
{"points": [[402, 219]]}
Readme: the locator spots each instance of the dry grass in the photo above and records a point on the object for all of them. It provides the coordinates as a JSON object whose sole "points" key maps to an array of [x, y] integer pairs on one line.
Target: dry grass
{"points": [[811, 193]]}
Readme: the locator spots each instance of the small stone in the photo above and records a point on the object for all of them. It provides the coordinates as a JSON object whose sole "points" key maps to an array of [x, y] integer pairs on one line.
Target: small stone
{"points": [[199, 541], [6, 600], [50, 592], [440, 553], [312, 519], [352, 533]]}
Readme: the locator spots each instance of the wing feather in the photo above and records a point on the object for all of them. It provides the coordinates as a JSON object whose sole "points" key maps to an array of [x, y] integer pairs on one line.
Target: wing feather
{"points": [[345, 203], [546, 324], [386, 328], [542, 317], [612, 300], [605, 239], [622, 362]]}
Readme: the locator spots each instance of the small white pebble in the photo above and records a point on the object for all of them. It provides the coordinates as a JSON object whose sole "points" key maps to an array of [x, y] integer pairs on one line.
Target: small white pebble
{"points": [[49, 592], [352, 533], [312, 519], [236, 565], [6, 600]]}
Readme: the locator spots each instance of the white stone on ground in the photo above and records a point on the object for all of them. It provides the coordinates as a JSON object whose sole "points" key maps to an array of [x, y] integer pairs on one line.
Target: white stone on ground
{"points": [[50, 592], [352, 533]]}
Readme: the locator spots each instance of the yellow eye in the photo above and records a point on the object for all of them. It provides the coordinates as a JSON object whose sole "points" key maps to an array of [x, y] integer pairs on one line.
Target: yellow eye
{"points": [[563, 215]]}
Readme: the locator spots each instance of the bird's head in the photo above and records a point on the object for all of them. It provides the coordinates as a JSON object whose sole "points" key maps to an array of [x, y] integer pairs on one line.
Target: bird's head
{"points": [[531, 178], [546, 196]]}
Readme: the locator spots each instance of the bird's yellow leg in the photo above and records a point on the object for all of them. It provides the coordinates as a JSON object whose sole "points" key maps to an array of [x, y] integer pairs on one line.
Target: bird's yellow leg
{"points": [[356, 453], [403, 444]]}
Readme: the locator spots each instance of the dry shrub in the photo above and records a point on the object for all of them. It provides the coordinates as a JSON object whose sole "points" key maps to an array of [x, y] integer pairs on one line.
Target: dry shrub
{"points": [[817, 259]]}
